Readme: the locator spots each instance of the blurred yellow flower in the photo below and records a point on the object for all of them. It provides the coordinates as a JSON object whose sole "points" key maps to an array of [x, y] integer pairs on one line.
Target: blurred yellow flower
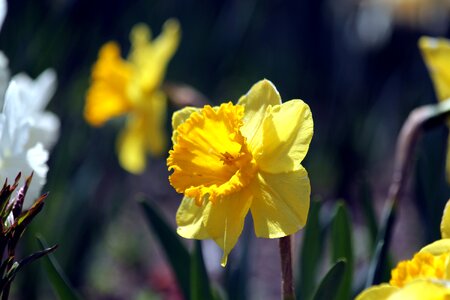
{"points": [[436, 53], [429, 269], [131, 87], [230, 159]]}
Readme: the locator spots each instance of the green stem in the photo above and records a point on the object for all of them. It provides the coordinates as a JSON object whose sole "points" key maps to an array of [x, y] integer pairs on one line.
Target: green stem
{"points": [[287, 279]]}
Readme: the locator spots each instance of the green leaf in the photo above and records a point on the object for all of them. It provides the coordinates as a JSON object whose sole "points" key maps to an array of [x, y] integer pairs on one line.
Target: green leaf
{"points": [[55, 274], [341, 237], [379, 263], [200, 285], [174, 249], [365, 194], [334, 279], [310, 253]]}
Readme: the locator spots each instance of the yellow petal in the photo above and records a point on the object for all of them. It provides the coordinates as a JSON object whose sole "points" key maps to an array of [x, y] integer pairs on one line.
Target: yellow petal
{"points": [[378, 292], [131, 146], [150, 58], [447, 162], [422, 290], [106, 97], [447, 268], [287, 132], [281, 203], [445, 222], [437, 248], [179, 117], [154, 112], [224, 220], [261, 95], [190, 219], [436, 53]]}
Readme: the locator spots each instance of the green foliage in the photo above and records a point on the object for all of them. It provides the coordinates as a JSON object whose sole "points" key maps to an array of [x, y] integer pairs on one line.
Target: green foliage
{"points": [[365, 194], [175, 251], [200, 287], [331, 283], [310, 253], [379, 263], [56, 276], [342, 248]]}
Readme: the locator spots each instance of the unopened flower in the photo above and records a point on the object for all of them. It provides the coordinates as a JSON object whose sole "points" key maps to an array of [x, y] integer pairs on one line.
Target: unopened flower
{"points": [[436, 53], [233, 158], [131, 87], [430, 266]]}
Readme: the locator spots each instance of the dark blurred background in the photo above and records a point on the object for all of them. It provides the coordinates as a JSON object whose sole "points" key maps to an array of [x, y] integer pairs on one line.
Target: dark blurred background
{"points": [[356, 63]]}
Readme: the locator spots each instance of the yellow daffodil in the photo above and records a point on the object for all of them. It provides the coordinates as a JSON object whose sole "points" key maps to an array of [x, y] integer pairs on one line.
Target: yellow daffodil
{"points": [[233, 158], [436, 53], [428, 269], [131, 87]]}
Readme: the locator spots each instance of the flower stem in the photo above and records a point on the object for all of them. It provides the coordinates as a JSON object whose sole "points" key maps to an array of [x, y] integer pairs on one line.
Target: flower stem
{"points": [[419, 120], [287, 281]]}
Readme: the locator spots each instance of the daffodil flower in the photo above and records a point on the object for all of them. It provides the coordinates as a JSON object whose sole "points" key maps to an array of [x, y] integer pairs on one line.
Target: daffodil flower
{"points": [[131, 87], [428, 269], [235, 158], [436, 54]]}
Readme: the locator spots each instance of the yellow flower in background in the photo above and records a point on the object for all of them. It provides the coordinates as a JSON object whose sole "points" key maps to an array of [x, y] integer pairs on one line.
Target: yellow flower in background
{"points": [[131, 87], [436, 54], [429, 269], [230, 159]]}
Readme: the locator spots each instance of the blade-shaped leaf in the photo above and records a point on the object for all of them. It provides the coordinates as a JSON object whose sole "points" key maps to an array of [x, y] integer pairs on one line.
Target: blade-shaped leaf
{"points": [[379, 262], [334, 278], [175, 251], [200, 285], [365, 194], [56, 276], [310, 253], [342, 248]]}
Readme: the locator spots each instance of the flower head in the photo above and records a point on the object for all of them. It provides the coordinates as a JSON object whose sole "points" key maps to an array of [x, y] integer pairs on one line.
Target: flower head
{"points": [[242, 157], [131, 87]]}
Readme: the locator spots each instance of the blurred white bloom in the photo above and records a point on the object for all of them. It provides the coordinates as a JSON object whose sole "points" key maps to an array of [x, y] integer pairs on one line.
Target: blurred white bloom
{"points": [[26, 131], [3, 9], [35, 95], [4, 71]]}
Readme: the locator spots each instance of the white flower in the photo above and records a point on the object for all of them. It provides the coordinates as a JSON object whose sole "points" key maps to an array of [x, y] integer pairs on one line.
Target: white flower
{"points": [[22, 136], [3, 9], [35, 95]]}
